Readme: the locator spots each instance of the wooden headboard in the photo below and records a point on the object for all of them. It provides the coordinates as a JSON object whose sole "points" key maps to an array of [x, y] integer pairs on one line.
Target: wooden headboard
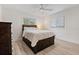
{"points": [[27, 26]]}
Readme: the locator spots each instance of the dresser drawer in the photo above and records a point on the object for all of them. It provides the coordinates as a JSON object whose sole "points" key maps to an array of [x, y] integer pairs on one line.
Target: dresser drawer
{"points": [[5, 30], [5, 38]]}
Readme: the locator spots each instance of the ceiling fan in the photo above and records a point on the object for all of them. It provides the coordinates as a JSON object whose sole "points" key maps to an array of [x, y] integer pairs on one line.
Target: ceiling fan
{"points": [[44, 7]]}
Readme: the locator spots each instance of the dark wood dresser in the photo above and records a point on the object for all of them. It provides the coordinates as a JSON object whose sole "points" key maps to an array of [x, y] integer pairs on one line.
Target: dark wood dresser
{"points": [[5, 38]]}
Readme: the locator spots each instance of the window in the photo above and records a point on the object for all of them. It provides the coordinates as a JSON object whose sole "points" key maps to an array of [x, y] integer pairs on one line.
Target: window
{"points": [[58, 21]]}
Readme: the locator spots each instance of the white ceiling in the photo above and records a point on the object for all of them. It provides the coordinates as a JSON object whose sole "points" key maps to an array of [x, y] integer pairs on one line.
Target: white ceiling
{"points": [[35, 8]]}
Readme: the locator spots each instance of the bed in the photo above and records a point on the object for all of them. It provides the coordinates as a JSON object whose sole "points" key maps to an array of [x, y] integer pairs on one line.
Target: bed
{"points": [[36, 39]]}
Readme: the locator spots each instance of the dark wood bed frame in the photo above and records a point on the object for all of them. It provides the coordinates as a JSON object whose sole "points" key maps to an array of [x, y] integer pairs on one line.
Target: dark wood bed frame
{"points": [[41, 44]]}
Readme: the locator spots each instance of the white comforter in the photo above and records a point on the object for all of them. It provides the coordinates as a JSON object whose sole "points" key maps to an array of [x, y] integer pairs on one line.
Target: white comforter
{"points": [[35, 35]]}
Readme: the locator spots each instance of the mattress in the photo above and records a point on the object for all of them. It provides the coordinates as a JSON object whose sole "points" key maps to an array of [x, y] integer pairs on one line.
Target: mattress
{"points": [[34, 35]]}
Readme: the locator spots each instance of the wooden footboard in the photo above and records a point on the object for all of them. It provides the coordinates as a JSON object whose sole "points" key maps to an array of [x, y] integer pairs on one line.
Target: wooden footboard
{"points": [[41, 44]]}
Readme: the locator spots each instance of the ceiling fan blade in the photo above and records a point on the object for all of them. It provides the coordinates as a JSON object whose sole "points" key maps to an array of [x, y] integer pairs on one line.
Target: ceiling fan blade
{"points": [[43, 8], [47, 9]]}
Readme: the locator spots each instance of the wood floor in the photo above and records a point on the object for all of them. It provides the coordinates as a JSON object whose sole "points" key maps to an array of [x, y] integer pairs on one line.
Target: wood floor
{"points": [[60, 48]]}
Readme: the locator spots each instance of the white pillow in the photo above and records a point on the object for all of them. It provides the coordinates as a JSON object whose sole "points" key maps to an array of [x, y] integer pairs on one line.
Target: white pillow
{"points": [[30, 28]]}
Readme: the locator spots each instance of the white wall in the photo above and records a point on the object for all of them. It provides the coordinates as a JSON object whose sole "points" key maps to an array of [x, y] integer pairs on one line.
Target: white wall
{"points": [[16, 17], [71, 30], [43, 20]]}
